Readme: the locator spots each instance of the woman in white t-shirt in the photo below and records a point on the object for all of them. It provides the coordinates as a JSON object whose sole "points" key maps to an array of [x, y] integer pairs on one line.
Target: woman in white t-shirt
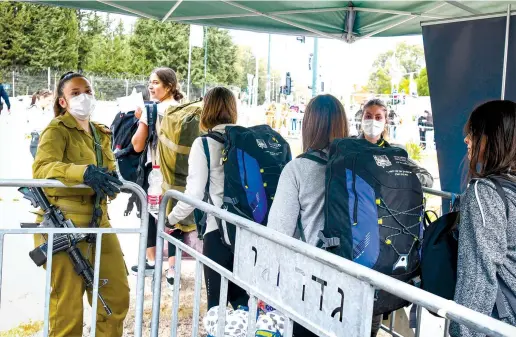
{"points": [[164, 89], [219, 111]]}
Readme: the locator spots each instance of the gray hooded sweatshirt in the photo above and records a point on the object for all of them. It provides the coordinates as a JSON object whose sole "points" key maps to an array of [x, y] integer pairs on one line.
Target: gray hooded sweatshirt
{"points": [[487, 253]]}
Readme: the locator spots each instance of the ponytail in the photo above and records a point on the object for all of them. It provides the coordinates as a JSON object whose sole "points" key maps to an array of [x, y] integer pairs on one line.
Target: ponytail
{"points": [[178, 96]]}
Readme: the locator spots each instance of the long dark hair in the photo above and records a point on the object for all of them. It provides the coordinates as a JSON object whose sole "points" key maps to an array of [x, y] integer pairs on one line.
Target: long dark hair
{"points": [[324, 120], [492, 131], [169, 79], [58, 109]]}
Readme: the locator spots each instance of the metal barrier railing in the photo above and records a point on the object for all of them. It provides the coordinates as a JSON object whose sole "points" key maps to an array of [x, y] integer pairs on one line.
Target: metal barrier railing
{"points": [[275, 268], [142, 230]]}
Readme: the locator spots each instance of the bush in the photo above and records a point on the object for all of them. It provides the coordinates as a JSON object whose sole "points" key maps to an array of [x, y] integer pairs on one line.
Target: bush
{"points": [[414, 151]]}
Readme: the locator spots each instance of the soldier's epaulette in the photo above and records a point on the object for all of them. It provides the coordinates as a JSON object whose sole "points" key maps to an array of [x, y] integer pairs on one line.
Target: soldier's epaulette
{"points": [[103, 128]]}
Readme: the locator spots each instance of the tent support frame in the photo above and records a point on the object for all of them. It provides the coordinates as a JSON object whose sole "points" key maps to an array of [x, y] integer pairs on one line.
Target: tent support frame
{"points": [[464, 7], [287, 22], [129, 10], [172, 10], [397, 23]]}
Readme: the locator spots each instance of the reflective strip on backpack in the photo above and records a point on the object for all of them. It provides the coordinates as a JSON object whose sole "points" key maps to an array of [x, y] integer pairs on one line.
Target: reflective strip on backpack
{"points": [[173, 146]]}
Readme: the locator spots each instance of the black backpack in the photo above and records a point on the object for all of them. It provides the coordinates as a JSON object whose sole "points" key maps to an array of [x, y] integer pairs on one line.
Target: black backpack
{"points": [[130, 163], [440, 251], [373, 211], [253, 160]]}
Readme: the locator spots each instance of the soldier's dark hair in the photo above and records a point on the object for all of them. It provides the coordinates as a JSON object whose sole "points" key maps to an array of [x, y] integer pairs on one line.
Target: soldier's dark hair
{"points": [[58, 109]]}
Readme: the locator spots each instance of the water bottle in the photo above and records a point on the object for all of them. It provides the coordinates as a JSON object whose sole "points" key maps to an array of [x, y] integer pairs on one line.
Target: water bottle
{"points": [[154, 192], [118, 148]]}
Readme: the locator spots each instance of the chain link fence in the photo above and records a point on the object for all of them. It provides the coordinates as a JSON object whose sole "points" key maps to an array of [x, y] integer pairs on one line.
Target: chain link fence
{"points": [[23, 82]]}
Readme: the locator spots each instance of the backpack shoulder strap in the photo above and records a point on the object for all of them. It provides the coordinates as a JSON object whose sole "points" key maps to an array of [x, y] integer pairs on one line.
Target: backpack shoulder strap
{"points": [[300, 229], [501, 193], [97, 210], [216, 136], [310, 154]]}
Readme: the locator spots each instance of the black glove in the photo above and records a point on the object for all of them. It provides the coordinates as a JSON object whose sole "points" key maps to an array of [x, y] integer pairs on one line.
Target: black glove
{"points": [[101, 181]]}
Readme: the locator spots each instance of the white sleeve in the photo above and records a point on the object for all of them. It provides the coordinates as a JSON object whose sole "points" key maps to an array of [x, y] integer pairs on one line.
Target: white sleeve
{"points": [[195, 182]]}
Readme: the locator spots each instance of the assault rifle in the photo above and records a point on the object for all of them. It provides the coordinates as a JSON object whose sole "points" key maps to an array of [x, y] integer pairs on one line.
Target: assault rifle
{"points": [[54, 218]]}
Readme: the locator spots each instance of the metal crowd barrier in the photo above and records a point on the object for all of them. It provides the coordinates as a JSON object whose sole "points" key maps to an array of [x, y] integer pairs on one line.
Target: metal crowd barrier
{"points": [[325, 293], [142, 230]]}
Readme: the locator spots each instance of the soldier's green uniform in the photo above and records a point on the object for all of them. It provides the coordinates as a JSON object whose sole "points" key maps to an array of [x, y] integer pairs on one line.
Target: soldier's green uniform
{"points": [[64, 151]]}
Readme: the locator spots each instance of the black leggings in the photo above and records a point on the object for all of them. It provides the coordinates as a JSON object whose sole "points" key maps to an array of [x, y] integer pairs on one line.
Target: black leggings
{"points": [[153, 232], [215, 250]]}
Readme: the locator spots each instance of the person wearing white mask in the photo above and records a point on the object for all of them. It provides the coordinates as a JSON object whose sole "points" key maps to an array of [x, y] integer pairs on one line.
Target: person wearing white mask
{"points": [[374, 128], [75, 150]]}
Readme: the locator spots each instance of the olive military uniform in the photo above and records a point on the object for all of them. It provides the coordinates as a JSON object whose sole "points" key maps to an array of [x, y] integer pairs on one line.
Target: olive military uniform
{"points": [[64, 152]]}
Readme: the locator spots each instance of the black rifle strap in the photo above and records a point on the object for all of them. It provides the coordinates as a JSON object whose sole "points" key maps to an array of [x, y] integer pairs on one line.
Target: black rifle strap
{"points": [[97, 147]]}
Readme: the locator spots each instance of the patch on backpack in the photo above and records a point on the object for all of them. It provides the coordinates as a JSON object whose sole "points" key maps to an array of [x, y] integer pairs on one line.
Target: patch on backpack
{"points": [[261, 143], [382, 161]]}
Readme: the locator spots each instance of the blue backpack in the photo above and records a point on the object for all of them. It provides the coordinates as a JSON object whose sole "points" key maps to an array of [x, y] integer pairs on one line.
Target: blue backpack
{"points": [[253, 160], [373, 211]]}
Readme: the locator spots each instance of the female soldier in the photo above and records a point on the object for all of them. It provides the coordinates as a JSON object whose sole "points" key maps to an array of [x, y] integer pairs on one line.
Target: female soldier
{"points": [[69, 153], [374, 129]]}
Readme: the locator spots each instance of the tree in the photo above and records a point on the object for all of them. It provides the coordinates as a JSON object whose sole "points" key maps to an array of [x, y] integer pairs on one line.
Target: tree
{"points": [[408, 59], [422, 83], [36, 37], [91, 28], [166, 44]]}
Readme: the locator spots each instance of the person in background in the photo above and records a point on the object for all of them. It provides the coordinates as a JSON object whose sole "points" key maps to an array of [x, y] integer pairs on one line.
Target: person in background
{"points": [[164, 89], [486, 266], [374, 130], [422, 122], [145, 92], [358, 117], [38, 114], [301, 187], [5, 97], [67, 152], [219, 111], [393, 121]]}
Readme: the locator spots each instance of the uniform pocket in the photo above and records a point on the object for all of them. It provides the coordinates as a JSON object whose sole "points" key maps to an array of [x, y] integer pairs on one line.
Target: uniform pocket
{"points": [[79, 155]]}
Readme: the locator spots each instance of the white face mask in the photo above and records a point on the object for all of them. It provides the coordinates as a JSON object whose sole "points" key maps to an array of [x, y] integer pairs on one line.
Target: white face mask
{"points": [[82, 106], [373, 128]]}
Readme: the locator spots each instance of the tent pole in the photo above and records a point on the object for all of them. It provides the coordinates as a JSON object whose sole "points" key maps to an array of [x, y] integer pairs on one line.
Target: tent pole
{"points": [[189, 63], [506, 50], [205, 57], [268, 93], [129, 10], [178, 2], [284, 21], [315, 66], [464, 7]]}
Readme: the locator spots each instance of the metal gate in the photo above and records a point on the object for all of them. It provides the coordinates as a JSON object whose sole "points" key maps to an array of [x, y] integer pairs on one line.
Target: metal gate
{"points": [[326, 294], [142, 230]]}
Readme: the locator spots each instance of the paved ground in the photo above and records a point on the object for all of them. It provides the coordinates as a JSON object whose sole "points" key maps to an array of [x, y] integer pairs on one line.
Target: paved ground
{"points": [[23, 283]]}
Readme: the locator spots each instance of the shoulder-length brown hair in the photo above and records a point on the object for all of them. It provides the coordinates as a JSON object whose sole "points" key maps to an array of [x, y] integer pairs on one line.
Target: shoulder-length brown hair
{"points": [[492, 131], [220, 107], [324, 120]]}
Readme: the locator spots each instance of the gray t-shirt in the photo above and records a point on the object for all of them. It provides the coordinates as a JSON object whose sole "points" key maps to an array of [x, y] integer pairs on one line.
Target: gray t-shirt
{"points": [[300, 192]]}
